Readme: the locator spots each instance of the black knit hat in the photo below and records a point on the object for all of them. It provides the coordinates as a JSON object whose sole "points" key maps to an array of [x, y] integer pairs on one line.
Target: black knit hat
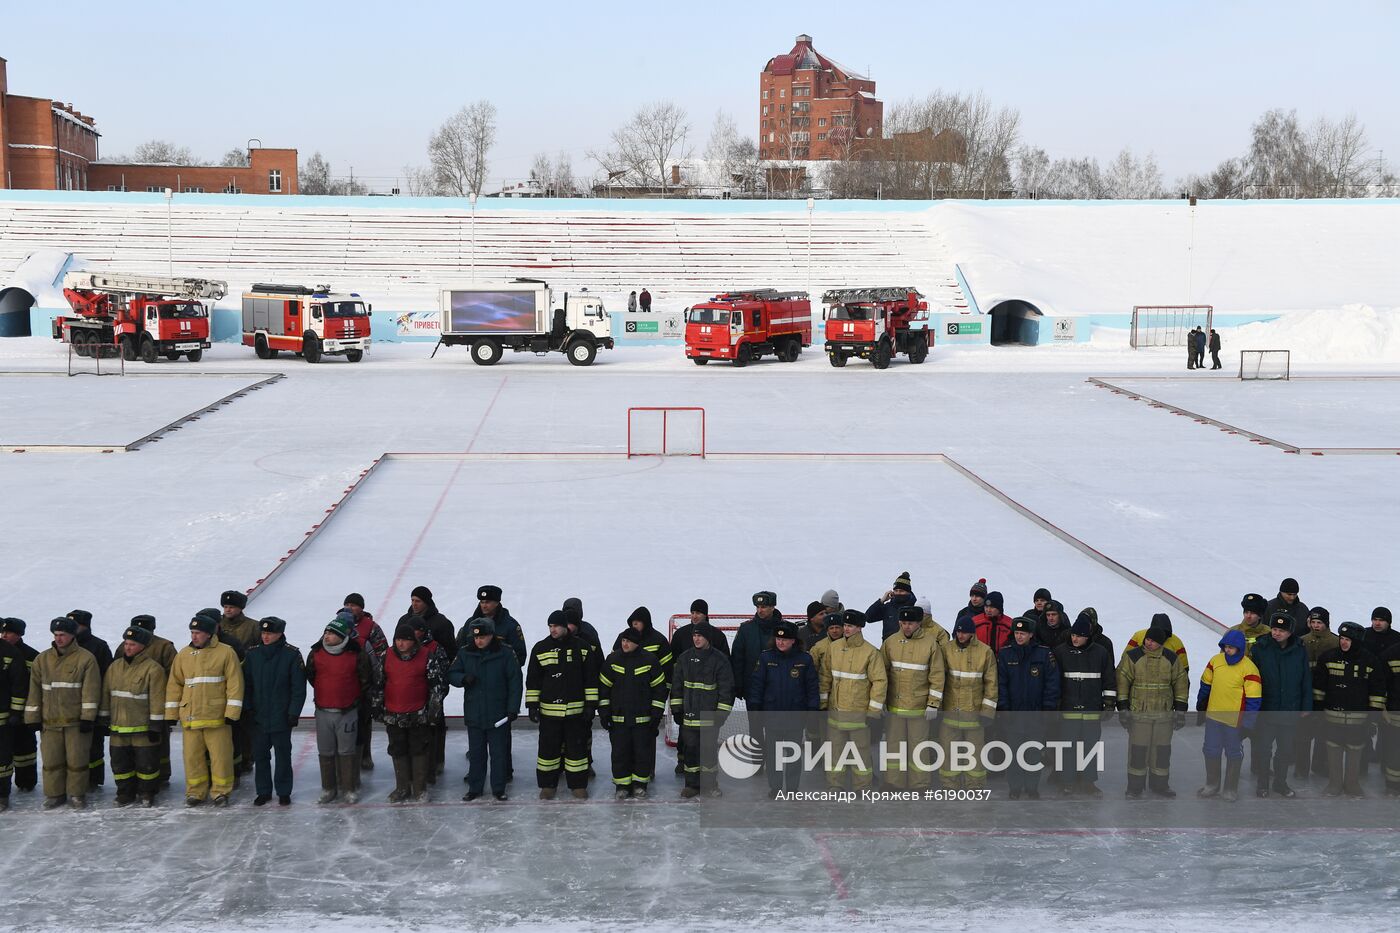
{"points": [[911, 613], [12, 624], [1254, 603], [233, 598], [1162, 621], [995, 600], [700, 605], [82, 617], [137, 634], [765, 598], [273, 624], [1381, 612], [1322, 615], [1041, 593], [64, 624], [210, 614], [488, 593], [784, 630], [575, 604], [354, 599], [1289, 586], [979, 588], [423, 593], [705, 630], [1082, 627], [557, 617], [147, 622], [631, 634], [814, 609], [406, 631], [902, 582], [1158, 634], [1090, 615], [202, 623]]}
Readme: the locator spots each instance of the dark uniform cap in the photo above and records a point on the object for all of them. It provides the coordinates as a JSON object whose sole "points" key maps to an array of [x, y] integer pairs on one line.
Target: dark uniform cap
{"points": [[1352, 630], [354, 599], [1281, 619], [273, 624], [147, 622], [64, 624], [785, 630], [137, 634], [965, 625], [853, 617], [911, 613], [765, 598], [1022, 624], [82, 617], [12, 625], [233, 598], [489, 592], [483, 627], [1254, 603], [202, 623]]}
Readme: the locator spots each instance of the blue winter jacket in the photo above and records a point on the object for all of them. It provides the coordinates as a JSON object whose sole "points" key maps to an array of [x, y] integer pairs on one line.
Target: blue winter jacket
{"points": [[496, 684], [274, 686], [1028, 679], [784, 682]]}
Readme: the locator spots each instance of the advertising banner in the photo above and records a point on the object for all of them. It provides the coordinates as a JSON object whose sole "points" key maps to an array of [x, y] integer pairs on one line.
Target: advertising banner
{"points": [[418, 323], [657, 325]]}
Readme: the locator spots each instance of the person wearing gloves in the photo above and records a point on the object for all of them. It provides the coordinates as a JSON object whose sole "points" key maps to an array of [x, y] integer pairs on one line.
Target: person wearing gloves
{"points": [[1028, 688], [410, 704], [1227, 704], [274, 679], [782, 691], [204, 693], [1088, 694], [1286, 676], [1152, 690], [64, 689], [702, 697], [969, 701], [632, 687], [561, 693], [133, 706], [341, 670], [492, 686], [856, 687], [914, 668]]}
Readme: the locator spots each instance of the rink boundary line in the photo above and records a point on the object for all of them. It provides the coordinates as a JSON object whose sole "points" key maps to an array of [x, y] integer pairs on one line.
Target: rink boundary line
{"points": [[1159, 592], [266, 380], [1252, 435]]}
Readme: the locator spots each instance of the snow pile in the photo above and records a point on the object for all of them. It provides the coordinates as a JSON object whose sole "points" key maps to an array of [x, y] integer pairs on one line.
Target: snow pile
{"points": [[1353, 333], [41, 274]]}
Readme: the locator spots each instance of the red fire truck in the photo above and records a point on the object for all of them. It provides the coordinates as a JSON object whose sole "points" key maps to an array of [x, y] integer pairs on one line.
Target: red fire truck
{"points": [[741, 326], [876, 324], [308, 322], [145, 315]]}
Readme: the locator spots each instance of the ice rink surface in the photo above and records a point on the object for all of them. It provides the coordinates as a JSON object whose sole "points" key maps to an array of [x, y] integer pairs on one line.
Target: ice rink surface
{"points": [[216, 505]]}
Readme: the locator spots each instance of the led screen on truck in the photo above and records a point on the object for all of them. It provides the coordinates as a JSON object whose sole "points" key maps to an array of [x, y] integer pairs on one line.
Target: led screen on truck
{"points": [[491, 311]]}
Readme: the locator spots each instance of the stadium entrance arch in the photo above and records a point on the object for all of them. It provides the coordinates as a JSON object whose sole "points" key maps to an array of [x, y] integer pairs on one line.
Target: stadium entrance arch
{"points": [[1015, 321], [14, 312]]}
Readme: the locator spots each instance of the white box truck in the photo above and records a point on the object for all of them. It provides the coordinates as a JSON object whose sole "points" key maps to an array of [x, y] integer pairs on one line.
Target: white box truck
{"points": [[523, 315]]}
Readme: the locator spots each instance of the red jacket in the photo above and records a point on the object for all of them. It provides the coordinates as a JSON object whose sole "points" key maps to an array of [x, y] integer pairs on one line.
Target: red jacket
{"points": [[994, 635]]}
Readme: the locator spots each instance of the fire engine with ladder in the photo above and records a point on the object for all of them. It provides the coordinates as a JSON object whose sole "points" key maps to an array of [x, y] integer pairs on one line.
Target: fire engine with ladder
{"points": [[743, 325], [137, 315], [876, 324]]}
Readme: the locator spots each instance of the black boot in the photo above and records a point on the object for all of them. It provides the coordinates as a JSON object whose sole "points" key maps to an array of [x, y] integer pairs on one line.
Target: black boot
{"points": [[403, 779], [1232, 780], [1334, 771], [1211, 788]]}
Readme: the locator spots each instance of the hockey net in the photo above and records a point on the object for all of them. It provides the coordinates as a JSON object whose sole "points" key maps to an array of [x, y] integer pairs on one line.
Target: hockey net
{"points": [[738, 721], [1167, 325], [1264, 364], [666, 431]]}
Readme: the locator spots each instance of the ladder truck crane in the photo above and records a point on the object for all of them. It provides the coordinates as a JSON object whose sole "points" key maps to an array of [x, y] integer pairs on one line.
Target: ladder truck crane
{"points": [[145, 316]]}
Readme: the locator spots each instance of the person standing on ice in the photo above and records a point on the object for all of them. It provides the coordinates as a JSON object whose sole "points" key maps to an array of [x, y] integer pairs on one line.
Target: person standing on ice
{"points": [[1028, 687], [204, 693], [274, 678], [64, 689], [424, 610], [1214, 349], [819, 613], [133, 706], [573, 612], [1287, 600], [1311, 746], [489, 608], [681, 643], [914, 674], [561, 694], [1037, 611], [1227, 704], [371, 637], [491, 690], [342, 674], [1252, 624], [239, 632], [102, 653], [782, 691], [1173, 643], [644, 301], [1088, 693], [23, 745], [1152, 691], [702, 697], [631, 698], [1287, 679], [409, 704], [969, 702], [1349, 688], [1191, 349]]}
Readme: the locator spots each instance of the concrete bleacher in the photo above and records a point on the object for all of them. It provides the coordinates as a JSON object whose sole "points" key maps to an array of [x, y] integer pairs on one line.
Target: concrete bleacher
{"points": [[397, 251]]}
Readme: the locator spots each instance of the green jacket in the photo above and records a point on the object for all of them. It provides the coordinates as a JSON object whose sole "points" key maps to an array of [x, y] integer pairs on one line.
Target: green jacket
{"points": [[1285, 674]]}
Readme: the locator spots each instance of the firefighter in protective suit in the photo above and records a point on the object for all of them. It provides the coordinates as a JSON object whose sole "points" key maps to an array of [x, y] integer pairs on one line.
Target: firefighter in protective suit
{"points": [[856, 686], [17, 736], [561, 694], [1152, 691], [914, 669], [133, 706], [205, 694], [969, 701], [162, 651], [702, 697], [63, 692], [1349, 688]]}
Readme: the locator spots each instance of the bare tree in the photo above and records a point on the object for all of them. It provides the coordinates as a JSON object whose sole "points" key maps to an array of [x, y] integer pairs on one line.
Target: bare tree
{"points": [[555, 176], [1337, 159], [314, 175], [1131, 178], [159, 150], [419, 181], [460, 148], [647, 145], [1226, 180], [237, 157]]}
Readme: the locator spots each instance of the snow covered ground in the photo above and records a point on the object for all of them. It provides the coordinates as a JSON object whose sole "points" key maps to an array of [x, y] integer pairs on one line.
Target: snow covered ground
{"points": [[214, 506]]}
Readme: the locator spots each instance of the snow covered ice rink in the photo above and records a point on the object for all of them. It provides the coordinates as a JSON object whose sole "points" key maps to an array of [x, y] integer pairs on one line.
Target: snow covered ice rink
{"points": [[1203, 515]]}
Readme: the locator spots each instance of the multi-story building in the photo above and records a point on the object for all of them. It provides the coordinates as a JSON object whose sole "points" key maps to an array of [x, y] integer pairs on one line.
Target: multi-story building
{"points": [[269, 171], [811, 108], [44, 143]]}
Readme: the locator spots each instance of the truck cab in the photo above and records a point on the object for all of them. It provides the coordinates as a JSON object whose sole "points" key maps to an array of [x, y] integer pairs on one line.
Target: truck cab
{"points": [[174, 327]]}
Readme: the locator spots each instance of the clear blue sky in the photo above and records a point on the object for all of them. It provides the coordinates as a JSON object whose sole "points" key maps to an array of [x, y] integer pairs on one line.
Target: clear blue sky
{"points": [[365, 83]]}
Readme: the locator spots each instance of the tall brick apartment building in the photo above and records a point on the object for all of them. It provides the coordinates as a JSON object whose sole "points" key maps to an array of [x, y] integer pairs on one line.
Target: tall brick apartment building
{"points": [[44, 143], [812, 108]]}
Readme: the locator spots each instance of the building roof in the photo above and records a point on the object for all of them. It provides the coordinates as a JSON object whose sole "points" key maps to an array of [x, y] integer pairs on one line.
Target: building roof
{"points": [[804, 56]]}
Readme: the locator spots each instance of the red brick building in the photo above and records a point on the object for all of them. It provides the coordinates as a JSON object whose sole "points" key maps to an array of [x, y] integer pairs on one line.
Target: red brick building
{"points": [[269, 171], [44, 143], [812, 108]]}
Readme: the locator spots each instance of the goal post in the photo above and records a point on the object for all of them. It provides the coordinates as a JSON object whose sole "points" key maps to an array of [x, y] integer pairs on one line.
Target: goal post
{"points": [[1167, 325], [1265, 364], [665, 431]]}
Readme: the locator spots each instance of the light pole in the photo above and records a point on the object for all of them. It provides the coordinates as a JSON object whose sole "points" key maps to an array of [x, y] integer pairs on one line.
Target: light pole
{"points": [[1191, 253], [169, 238], [811, 204], [472, 198]]}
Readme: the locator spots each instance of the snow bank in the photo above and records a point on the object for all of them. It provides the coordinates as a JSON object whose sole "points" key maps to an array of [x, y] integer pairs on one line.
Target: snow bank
{"points": [[41, 274], [1355, 332]]}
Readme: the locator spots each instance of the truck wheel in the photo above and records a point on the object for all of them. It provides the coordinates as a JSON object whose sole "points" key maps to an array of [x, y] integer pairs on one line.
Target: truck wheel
{"points": [[581, 352], [148, 350], [261, 348], [194, 356], [838, 359], [701, 360], [486, 353], [919, 352], [745, 355], [311, 348], [128, 349], [172, 355], [354, 356], [880, 358], [78, 340]]}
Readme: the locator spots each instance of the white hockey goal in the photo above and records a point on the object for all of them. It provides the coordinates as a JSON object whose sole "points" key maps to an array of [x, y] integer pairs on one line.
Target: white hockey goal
{"points": [[1264, 364], [1167, 325], [729, 625], [666, 431]]}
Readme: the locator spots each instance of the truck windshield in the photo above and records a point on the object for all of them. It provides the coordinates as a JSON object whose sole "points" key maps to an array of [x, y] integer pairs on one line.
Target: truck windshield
{"points": [[344, 308], [849, 313], [174, 312], [708, 316]]}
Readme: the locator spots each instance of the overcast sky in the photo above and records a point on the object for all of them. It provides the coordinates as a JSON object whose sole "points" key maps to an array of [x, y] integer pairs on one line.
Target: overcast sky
{"points": [[366, 83]]}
